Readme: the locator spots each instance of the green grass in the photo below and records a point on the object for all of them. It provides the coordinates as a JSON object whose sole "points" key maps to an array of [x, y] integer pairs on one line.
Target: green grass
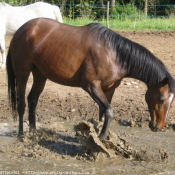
{"points": [[129, 24]]}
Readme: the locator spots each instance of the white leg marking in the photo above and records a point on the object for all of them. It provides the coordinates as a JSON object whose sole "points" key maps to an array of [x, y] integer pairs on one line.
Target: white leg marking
{"points": [[169, 103]]}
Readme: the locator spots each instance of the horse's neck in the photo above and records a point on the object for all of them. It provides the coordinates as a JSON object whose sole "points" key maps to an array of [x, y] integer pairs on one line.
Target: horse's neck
{"points": [[147, 72], [136, 75]]}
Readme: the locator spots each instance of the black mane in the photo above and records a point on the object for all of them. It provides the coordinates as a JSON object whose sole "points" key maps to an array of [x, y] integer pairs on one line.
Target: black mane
{"points": [[139, 62]]}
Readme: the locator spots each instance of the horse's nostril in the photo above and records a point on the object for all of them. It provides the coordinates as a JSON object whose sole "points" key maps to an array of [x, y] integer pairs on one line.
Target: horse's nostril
{"points": [[156, 129]]}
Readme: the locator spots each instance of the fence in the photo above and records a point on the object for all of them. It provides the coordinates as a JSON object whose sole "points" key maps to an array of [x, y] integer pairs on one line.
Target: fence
{"points": [[118, 11], [98, 11]]}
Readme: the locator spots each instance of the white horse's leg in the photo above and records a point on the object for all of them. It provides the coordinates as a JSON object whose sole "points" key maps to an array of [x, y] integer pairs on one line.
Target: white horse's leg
{"points": [[2, 52]]}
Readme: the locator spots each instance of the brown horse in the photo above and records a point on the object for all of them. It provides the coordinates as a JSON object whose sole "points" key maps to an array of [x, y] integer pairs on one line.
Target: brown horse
{"points": [[92, 57]]}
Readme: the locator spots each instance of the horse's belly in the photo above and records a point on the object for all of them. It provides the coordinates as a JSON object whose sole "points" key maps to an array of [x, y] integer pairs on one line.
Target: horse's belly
{"points": [[65, 79], [61, 72]]}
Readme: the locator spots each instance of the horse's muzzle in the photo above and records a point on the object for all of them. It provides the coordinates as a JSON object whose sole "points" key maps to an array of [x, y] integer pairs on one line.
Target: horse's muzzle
{"points": [[154, 127]]}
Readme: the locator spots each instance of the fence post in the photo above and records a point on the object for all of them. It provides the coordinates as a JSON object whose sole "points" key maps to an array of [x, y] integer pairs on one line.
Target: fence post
{"points": [[146, 7], [107, 16]]}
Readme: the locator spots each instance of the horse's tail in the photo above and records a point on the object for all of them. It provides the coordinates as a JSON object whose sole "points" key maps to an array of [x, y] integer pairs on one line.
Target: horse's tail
{"points": [[58, 14], [11, 80]]}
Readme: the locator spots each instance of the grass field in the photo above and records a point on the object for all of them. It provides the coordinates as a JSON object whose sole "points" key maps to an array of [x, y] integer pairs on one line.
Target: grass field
{"points": [[130, 24]]}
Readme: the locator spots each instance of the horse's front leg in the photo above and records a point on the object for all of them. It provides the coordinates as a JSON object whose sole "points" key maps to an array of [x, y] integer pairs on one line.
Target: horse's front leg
{"points": [[95, 91], [101, 114], [108, 118], [108, 93]]}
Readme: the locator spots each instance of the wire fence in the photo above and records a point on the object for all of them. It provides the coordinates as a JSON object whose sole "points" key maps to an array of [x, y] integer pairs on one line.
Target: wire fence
{"points": [[117, 11], [99, 11]]}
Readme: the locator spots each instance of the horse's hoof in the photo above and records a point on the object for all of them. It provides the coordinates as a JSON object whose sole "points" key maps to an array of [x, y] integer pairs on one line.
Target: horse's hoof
{"points": [[20, 137], [102, 137]]}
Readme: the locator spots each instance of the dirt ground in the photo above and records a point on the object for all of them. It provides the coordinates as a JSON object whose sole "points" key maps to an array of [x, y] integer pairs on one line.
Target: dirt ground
{"points": [[56, 148]]}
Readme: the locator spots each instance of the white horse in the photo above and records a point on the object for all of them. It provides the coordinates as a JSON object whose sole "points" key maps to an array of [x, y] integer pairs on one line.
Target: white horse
{"points": [[11, 18]]}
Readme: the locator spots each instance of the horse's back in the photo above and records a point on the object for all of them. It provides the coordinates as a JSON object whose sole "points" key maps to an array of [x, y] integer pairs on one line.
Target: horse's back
{"points": [[64, 54], [18, 15], [49, 45], [40, 9]]}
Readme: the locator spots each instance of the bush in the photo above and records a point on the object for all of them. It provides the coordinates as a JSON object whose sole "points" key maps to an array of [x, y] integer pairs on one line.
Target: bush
{"points": [[170, 11], [125, 11]]}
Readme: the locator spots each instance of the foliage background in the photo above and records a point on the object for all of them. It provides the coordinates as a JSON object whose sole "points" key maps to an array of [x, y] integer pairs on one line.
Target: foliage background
{"points": [[96, 9]]}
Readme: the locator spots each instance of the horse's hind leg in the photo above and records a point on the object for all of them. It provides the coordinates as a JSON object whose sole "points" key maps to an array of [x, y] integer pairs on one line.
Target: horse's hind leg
{"points": [[21, 87], [38, 85], [98, 95]]}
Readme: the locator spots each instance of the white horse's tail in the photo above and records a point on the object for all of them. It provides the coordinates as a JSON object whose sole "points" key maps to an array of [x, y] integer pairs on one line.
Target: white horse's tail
{"points": [[58, 14]]}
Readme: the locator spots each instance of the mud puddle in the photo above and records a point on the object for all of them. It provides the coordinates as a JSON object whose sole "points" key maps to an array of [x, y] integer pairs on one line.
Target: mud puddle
{"points": [[57, 149]]}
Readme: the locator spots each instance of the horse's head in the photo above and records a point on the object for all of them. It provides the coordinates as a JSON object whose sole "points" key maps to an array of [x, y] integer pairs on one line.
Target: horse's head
{"points": [[159, 99]]}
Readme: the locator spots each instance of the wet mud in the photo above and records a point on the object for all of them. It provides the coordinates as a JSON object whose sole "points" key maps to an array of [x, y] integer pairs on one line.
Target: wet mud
{"points": [[67, 127]]}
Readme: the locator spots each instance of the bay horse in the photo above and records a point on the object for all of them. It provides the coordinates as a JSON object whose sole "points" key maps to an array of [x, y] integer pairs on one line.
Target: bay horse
{"points": [[92, 57], [11, 18]]}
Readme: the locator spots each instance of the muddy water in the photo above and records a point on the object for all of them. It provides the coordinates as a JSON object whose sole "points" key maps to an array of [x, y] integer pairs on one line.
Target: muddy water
{"points": [[156, 156]]}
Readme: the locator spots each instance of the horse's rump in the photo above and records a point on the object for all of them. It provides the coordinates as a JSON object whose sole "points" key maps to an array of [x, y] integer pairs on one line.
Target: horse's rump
{"points": [[11, 18]]}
